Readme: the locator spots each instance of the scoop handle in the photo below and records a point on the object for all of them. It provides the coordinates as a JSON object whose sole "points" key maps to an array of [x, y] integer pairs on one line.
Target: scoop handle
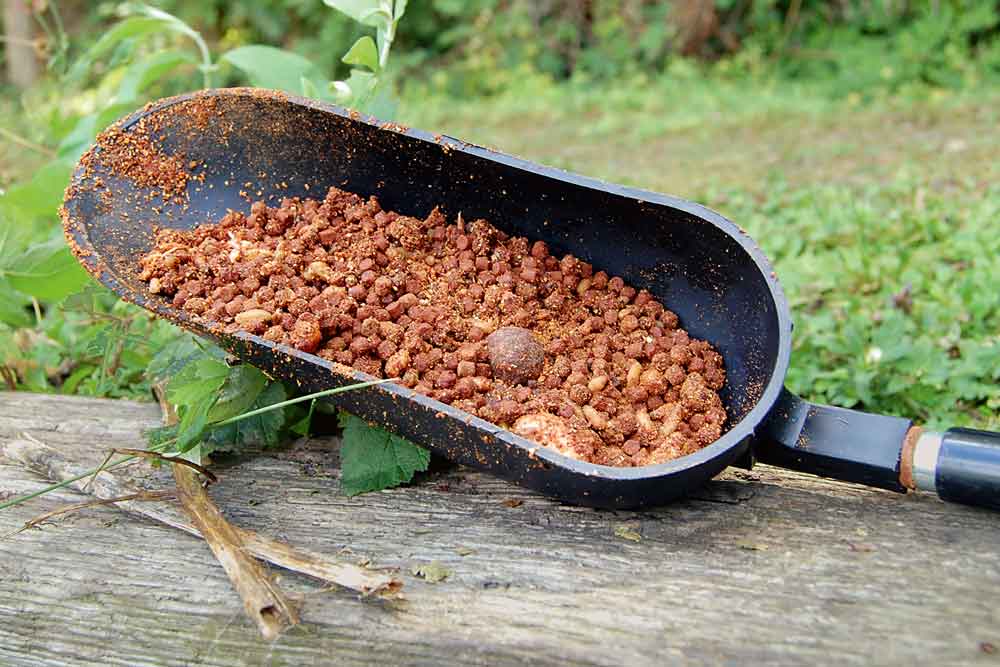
{"points": [[961, 465], [838, 443]]}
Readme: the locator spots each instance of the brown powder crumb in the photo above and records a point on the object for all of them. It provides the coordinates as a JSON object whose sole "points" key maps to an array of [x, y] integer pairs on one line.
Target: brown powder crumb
{"points": [[495, 325], [134, 155]]}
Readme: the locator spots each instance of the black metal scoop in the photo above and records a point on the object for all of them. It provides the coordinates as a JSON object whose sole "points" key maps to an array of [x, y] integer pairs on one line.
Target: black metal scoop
{"points": [[252, 144]]}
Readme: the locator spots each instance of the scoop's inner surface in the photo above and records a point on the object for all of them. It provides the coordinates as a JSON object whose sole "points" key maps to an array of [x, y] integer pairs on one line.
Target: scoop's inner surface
{"points": [[255, 146]]}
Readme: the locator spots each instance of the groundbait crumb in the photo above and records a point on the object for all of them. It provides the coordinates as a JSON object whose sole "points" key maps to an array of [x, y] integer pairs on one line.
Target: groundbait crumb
{"points": [[493, 324]]}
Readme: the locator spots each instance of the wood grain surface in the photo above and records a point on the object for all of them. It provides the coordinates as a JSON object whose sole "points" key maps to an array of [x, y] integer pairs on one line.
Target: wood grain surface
{"points": [[766, 566]]}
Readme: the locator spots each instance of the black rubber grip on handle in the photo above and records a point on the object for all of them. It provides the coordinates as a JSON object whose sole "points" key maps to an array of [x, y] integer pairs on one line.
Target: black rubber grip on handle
{"points": [[968, 467]]}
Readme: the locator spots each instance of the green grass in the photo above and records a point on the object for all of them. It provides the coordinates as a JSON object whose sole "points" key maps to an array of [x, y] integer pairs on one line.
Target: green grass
{"points": [[880, 217], [694, 136]]}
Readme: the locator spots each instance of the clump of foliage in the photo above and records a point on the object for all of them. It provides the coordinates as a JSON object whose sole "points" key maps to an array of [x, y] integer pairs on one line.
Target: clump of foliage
{"points": [[909, 329], [477, 47], [60, 331], [857, 46]]}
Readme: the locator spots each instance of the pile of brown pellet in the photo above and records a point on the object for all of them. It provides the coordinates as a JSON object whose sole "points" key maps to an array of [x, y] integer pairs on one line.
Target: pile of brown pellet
{"points": [[460, 311]]}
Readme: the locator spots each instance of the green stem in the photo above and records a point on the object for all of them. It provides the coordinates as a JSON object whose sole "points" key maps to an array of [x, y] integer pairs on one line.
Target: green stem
{"points": [[246, 415], [180, 26], [387, 39], [60, 28], [206, 60], [66, 482], [300, 399]]}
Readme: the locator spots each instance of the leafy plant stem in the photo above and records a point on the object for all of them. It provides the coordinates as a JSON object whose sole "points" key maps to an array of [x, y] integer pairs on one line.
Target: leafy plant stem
{"points": [[388, 36], [207, 66]]}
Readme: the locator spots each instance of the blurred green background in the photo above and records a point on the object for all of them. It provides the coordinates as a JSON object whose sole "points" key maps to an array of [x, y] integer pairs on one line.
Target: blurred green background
{"points": [[856, 140]]}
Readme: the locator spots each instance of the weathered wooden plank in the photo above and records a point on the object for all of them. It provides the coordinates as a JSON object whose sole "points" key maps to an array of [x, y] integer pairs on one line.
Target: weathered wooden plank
{"points": [[762, 566]]}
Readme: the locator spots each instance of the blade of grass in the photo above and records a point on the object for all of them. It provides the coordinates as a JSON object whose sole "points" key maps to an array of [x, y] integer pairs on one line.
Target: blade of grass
{"points": [[66, 482]]}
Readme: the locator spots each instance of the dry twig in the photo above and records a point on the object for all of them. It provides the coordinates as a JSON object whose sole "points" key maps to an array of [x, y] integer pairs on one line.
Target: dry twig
{"points": [[264, 602], [144, 496], [54, 465]]}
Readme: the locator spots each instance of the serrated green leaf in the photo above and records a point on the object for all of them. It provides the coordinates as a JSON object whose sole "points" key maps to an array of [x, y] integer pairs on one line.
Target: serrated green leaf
{"points": [[269, 67], [46, 271], [263, 430], [363, 53], [198, 383], [239, 392], [372, 459]]}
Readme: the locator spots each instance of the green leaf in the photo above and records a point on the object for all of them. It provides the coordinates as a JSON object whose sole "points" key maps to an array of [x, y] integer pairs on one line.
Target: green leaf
{"points": [[240, 390], [357, 89], [171, 359], [268, 67], [142, 74], [363, 53], [192, 424], [309, 89], [302, 426], [159, 436], [198, 383], [46, 271], [71, 383], [362, 11], [263, 430], [13, 306], [372, 459], [382, 103], [43, 194], [130, 28], [398, 10], [85, 130]]}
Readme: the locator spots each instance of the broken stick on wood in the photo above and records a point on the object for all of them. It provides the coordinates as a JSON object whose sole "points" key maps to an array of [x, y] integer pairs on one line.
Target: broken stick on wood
{"points": [[55, 466], [263, 600], [265, 603]]}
